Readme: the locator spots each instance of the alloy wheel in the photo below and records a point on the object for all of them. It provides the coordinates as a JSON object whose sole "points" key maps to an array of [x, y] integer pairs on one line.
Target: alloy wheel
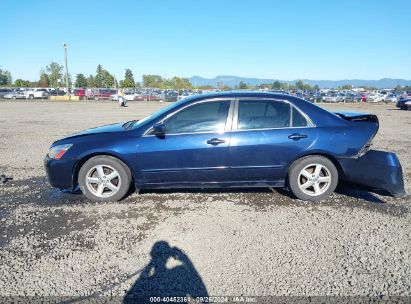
{"points": [[314, 179], [103, 181]]}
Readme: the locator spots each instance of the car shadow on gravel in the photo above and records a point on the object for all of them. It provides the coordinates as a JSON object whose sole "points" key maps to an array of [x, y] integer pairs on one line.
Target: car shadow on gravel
{"points": [[363, 192], [37, 191]]}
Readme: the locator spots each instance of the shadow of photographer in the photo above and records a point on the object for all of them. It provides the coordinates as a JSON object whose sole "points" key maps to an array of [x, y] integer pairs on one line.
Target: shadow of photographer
{"points": [[158, 279]]}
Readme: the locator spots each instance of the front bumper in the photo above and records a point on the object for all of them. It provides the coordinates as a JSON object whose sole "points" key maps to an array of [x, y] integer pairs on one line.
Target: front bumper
{"points": [[377, 169], [60, 172]]}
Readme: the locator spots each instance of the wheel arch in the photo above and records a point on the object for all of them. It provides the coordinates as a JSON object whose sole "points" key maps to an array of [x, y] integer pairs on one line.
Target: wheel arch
{"points": [[85, 158]]}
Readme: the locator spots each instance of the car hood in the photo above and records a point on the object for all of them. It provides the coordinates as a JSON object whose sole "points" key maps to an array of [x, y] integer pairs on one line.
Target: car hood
{"points": [[113, 128]]}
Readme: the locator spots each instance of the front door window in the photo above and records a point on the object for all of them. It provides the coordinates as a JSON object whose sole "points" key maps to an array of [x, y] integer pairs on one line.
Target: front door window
{"points": [[202, 117]]}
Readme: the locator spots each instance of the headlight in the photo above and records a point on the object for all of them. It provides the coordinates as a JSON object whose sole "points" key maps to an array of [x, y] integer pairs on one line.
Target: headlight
{"points": [[58, 151]]}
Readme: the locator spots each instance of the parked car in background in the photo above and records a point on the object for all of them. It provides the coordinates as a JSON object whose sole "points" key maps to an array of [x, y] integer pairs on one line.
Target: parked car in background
{"points": [[183, 95], [333, 97], [402, 103], [101, 93], [139, 97], [80, 92], [36, 93], [317, 96], [349, 97], [151, 97], [278, 91], [56, 92], [15, 94], [4, 92], [391, 98], [375, 97], [170, 96], [128, 95], [226, 140], [384, 94]]}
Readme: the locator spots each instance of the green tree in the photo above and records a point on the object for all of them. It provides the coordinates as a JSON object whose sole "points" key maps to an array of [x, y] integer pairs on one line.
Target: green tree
{"points": [[90, 81], [153, 81], [128, 81], [5, 77], [20, 83], [180, 83], [205, 87], [316, 87], [243, 86], [98, 79], [44, 81], [103, 78], [107, 79], [263, 86], [345, 87], [81, 81], [55, 73], [276, 85], [299, 85]]}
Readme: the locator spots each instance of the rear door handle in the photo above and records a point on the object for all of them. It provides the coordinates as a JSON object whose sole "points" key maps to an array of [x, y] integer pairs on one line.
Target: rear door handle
{"points": [[215, 141], [297, 136]]}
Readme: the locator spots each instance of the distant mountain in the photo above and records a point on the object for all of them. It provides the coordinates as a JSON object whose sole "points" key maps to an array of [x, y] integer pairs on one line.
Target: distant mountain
{"points": [[232, 81]]}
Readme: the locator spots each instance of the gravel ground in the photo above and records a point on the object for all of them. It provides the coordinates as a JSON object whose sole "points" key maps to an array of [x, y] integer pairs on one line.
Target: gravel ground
{"points": [[255, 242]]}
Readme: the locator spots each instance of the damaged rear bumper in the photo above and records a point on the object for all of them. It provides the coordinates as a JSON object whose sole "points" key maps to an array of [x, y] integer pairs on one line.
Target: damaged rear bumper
{"points": [[377, 169]]}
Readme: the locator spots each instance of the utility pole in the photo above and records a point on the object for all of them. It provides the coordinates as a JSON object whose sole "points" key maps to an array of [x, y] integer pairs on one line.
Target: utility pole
{"points": [[65, 45]]}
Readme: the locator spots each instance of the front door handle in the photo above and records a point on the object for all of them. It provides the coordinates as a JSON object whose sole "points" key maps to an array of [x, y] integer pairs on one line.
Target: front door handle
{"points": [[297, 136], [215, 141]]}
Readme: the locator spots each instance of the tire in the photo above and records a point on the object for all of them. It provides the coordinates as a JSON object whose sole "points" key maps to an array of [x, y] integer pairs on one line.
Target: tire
{"points": [[31, 97], [312, 178], [95, 182], [14, 97]]}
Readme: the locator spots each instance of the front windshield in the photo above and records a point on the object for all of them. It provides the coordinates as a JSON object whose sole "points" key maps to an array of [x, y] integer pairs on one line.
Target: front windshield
{"points": [[158, 113]]}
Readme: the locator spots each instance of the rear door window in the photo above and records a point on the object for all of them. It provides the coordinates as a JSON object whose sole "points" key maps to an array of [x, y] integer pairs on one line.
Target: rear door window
{"points": [[298, 119], [263, 114]]}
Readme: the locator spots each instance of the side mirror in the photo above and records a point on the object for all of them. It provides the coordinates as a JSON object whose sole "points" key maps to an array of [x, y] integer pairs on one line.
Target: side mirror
{"points": [[159, 130]]}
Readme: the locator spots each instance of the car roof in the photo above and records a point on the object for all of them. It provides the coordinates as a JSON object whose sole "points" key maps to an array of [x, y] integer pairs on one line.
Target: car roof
{"points": [[320, 117], [235, 94]]}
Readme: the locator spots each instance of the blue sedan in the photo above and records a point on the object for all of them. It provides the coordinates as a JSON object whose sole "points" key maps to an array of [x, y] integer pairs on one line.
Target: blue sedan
{"points": [[233, 139]]}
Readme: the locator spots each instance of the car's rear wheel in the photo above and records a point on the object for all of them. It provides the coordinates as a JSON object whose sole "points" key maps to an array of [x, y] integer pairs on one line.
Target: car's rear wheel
{"points": [[313, 178], [104, 179]]}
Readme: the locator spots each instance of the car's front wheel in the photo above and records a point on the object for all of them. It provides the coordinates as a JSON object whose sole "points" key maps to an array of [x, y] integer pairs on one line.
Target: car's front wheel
{"points": [[313, 178], [104, 179]]}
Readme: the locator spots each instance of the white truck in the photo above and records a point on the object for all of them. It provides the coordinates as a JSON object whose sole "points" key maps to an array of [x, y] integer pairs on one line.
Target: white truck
{"points": [[36, 93]]}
